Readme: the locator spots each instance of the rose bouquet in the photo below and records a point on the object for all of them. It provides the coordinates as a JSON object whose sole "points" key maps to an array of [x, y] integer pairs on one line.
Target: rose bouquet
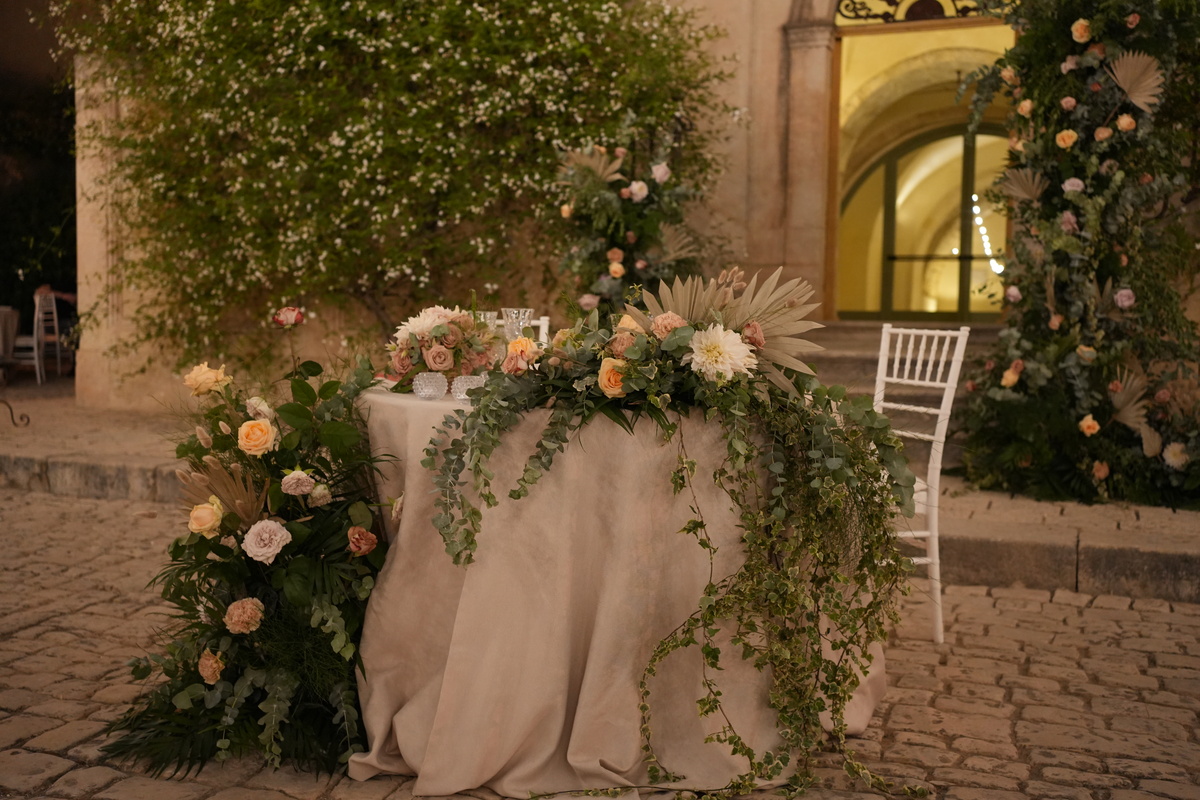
{"points": [[446, 340], [268, 579], [816, 479], [622, 227]]}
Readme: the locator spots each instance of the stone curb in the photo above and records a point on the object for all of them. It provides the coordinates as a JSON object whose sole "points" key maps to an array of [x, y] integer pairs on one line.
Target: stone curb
{"points": [[78, 476]]}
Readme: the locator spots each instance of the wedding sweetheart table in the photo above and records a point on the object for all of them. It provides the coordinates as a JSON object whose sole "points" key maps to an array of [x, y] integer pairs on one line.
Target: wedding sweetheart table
{"points": [[520, 673]]}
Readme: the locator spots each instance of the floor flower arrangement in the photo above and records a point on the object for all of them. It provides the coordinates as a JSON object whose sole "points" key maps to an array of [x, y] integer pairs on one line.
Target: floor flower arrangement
{"points": [[817, 479], [267, 581]]}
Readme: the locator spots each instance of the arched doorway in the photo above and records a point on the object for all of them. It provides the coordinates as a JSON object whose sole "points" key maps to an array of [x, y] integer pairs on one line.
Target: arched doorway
{"points": [[916, 241]]}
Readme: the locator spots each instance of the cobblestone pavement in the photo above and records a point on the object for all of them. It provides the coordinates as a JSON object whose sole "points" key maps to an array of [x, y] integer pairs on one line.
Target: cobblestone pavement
{"points": [[1034, 694]]}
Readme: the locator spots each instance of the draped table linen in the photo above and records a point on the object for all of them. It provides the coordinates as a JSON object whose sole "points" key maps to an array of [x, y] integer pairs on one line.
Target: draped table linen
{"points": [[520, 672]]}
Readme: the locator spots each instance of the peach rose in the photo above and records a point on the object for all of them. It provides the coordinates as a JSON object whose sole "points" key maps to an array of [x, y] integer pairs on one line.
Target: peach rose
{"points": [[1009, 76], [752, 335], [205, 518], [1126, 123], [1066, 139], [628, 323], [610, 377], [616, 269], [1099, 470], [1081, 30], [1025, 108], [438, 358], [1009, 378], [1102, 133], [1098, 50], [526, 348], [1056, 321], [244, 616], [362, 541], [615, 254], [1086, 354], [1068, 103], [620, 342], [1088, 426], [257, 436], [1132, 20], [513, 364], [210, 666], [566, 211], [662, 325], [204, 379]]}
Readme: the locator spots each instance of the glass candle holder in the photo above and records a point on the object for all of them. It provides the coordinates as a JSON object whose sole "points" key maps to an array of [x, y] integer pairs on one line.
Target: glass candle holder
{"points": [[430, 385], [516, 320], [463, 384]]}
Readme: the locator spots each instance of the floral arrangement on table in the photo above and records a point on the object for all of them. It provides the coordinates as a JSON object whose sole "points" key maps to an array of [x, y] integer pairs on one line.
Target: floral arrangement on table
{"points": [[625, 228], [268, 580], [815, 476], [450, 341], [1093, 393]]}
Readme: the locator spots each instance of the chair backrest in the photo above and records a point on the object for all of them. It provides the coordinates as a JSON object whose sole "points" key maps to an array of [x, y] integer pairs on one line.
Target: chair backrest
{"points": [[924, 359], [541, 329], [45, 318]]}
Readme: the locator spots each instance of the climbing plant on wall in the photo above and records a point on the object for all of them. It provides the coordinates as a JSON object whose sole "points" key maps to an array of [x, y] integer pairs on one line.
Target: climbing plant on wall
{"points": [[1092, 392]]}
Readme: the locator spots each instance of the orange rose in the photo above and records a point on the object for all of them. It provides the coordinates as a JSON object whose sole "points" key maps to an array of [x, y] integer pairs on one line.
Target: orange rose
{"points": [[257, 436], [610, 377], [616, 269], [1102, 133], [1126, 123], [1010, 378], [1066, 139], [1088, 426], [1081, 30]]}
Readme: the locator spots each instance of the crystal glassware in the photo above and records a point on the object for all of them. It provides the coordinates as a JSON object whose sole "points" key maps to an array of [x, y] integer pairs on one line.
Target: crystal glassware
{"points": [[430, 385], [463, 384], [516, 320]]}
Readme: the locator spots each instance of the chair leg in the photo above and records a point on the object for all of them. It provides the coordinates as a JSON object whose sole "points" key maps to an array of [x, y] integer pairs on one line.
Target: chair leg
{"points": [[935, 588]]}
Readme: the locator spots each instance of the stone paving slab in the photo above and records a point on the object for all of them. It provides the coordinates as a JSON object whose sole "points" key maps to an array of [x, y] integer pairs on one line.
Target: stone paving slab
{"points": [[1035, 694]]}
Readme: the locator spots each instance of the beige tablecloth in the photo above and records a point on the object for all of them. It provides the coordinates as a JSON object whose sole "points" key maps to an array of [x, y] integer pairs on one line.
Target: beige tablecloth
{"points": [[520, 672]]}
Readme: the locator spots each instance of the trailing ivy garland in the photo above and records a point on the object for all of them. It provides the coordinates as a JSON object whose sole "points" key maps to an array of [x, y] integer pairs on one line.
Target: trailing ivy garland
{"points": [[816, 478]]}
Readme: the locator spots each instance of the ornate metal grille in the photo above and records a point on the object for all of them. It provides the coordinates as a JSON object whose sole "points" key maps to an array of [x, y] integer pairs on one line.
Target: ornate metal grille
{"points": [[906, 10]]}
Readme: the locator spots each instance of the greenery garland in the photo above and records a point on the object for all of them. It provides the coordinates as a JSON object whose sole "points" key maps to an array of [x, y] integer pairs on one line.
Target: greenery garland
{"points": [[1092, 393], [816, 479], [378, 153], [268, 585]]}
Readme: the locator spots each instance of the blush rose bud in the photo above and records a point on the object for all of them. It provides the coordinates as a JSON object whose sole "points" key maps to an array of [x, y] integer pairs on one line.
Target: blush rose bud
{"points": [[288, 317]]}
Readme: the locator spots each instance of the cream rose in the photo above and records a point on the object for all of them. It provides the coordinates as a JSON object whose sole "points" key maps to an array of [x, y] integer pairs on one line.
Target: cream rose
{"points": [[205, 518], [1081, 30], [1126, 122], [258, 408], [661, 173], [257, 436], [210, 666], [638, 191], [1066, 139], [610, 380], [298, 483], [265, 539], [244, 616], [362, 541], [204, 379], [1088, 426], [438, 358], [321, 496]]}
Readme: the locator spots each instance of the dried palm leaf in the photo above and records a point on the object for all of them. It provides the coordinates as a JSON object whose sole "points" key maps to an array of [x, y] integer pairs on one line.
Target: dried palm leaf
{"points": [[1130, 400], [233, 487], [677, 244], [1024, 184], [780, 311], [1140, 76], [1151, 441], [605, 168], [696, 300]]}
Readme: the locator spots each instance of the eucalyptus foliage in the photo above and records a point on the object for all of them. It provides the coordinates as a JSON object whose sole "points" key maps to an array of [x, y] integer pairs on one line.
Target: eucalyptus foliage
{"points": [[1092, 392], [285, 151], [282, 687], [816, 479]]}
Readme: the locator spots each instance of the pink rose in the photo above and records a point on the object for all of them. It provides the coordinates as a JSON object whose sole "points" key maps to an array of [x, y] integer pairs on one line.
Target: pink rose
{"points": [[288, 317], [244, 616], [1068, 222], [625, 193], [438, 358], [588, 301], [401, 362], [210, 667], [1025, 108], [661, 173], [1017, 366], [752, 335], [615, 254], [620, 152], [297, 483], [1099, 470], [513, 364], [1145, 178], [1132, 20], [1009, 76], [1081, 30], [1126, 123], [1095, 86], [630, 237], [971, 386], [620, 342], [638, 191], [1115, 386], [1098, 50], [640, 263], [264, 540], [1109, 165], [1102, 133], [664, 323], [1073, 185], [1124, 260], [1125, 298], [1012, 294], [989, 365], [1068, 103], [1162, 396], [362, 541], [1071, 63], [453, 336]]}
